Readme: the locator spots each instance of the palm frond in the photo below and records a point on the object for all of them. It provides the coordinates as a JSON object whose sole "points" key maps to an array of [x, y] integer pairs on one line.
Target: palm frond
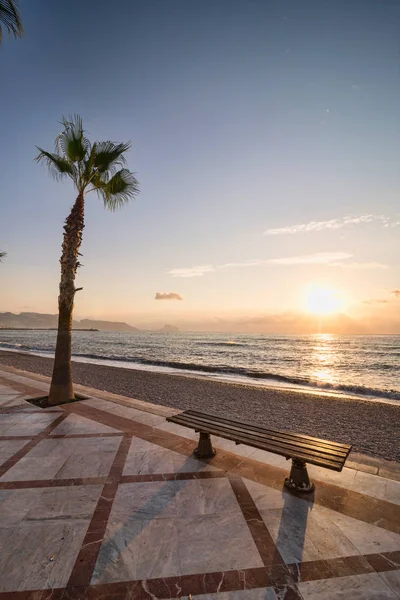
{"points": [[10, 18], [2, 255], [71, 142], [117, 190], [88, 170], [58, 166], [110, 155]]}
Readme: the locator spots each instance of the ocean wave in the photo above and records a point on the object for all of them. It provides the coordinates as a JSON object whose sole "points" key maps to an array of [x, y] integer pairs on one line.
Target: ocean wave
{"points": [[252, 374], [223, 344]]}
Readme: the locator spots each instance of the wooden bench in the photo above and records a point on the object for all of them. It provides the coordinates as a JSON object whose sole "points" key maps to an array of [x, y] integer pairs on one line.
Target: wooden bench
{"points": [[302, 449]]}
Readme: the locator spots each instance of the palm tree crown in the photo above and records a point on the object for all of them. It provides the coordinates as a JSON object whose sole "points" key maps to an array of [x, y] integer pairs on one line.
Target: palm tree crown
{"points": [[96, 167], [10, 18]]}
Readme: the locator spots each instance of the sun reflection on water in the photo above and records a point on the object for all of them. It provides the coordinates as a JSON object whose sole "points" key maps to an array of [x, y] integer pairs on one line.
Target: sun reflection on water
{"points": [[323, 355]]}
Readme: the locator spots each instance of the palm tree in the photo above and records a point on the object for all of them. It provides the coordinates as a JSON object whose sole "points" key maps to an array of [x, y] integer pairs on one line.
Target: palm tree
{"points": [[2, 255], [10, 18], [98, 167]]}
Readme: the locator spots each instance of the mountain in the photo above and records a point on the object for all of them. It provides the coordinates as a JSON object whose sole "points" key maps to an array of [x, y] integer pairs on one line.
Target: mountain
{"points": [[169, 329], [107, 325], [31, 320]]}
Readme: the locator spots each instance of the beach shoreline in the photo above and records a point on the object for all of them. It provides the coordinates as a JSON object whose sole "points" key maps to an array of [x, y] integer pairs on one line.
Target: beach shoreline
{"points": [[371, 427]]}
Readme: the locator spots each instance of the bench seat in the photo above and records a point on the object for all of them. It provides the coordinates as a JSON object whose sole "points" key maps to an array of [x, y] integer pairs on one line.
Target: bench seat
{"points": [[302, 449]]}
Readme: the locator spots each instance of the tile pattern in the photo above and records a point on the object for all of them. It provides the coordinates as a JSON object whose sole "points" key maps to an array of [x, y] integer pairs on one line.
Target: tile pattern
{"points": [[100, 500]]}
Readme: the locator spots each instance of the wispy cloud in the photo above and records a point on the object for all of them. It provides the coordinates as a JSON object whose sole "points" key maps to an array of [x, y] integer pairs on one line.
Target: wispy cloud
{"points": [[376, 301], [349, 220], [359, 265], [396, 293], [167, 296], [330, 259], [320, 258], [191, 271]]}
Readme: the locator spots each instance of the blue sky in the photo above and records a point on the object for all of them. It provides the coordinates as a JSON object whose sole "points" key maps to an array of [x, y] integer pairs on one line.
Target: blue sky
{"points": [[245, 116]]}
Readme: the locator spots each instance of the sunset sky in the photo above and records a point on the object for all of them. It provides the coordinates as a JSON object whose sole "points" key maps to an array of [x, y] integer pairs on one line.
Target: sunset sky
{"points": [[265, 137]]}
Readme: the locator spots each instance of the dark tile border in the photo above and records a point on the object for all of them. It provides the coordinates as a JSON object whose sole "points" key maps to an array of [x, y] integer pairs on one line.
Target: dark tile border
{"points": [[45, 483], [266, 546], [82, 570], [31, 444]]}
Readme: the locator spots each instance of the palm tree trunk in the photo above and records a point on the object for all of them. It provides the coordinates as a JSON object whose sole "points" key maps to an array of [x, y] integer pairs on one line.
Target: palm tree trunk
{"points": [[61, 388]]}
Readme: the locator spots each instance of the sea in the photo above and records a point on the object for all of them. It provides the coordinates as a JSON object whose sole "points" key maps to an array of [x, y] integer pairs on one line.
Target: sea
{"points": [[367, 366]]}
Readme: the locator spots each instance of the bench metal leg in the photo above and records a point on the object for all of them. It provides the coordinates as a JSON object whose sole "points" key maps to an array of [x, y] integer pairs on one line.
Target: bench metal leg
{"points": [[204, 449], [298, 479]]}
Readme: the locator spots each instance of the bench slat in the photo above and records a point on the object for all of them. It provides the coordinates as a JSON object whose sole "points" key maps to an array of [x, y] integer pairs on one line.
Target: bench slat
{"points": [[299, 436], [286, 450], [275, 439], [312, 450], [334, 466]]}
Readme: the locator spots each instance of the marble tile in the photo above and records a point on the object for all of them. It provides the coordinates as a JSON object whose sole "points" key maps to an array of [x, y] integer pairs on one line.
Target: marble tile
{"points": [[311, 532], [66, 458], [344, 479], [178, 430], [200, 556], [265, 496], [355, 587], [135, 415], [393, 491], [230, 446], [392, 578], [143, 501], [189, 464], [147, 458], [128, 551], [153, 461], [217, 526], [9, 447], [139, 446], [25, 423], [370, 485], [271, 459], [48, 528], [76, 424], [255, 594], [303, 534], [367, 538], [205, 497]]}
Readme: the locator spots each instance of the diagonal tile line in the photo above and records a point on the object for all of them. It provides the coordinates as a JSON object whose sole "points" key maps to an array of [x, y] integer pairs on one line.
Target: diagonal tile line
{"points": [[266, 546], [31, 444], [78, 481], [22, 388], [70, 436], [280, 576], [368, 509], [50, 483], [85, 563]]}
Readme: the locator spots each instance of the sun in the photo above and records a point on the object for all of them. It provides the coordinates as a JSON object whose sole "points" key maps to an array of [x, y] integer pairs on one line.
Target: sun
{"points": [[322, 300]]}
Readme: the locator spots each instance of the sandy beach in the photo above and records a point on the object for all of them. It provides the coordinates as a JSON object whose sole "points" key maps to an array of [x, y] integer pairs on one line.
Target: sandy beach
{"points": [[371, 427]]}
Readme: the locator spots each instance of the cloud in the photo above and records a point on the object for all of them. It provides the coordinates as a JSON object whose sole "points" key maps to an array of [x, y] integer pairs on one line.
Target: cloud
{"points": [[191, 271], [376, 301], [396, 293], [319, 258], [359, 265], [332, 224], [167, 296], [330, 259]]}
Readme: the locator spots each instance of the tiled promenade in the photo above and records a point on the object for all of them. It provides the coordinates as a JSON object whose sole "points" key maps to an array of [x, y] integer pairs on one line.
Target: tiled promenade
{"points": [[102, 499]]}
